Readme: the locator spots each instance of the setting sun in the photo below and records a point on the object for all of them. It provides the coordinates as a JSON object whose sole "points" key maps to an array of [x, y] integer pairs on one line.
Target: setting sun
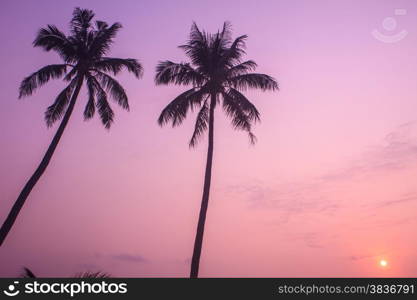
{"points": [[383, 263]]}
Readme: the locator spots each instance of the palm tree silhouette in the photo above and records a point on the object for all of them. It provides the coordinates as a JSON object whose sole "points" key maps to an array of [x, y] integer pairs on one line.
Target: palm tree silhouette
{"points": [[216, 72], [83, 53]]}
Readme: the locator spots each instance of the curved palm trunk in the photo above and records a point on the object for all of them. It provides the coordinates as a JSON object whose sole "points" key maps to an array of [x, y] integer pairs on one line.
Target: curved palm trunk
{"points": [[198, 243], [11, 218]]}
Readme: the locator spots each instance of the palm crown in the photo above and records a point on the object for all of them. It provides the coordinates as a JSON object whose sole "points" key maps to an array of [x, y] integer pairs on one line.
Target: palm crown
{"points": [[83, 53], [216, 72]]}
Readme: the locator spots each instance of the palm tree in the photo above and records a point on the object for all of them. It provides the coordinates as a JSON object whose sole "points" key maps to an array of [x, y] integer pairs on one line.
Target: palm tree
{"points": [[216, 73], [83, 54]]}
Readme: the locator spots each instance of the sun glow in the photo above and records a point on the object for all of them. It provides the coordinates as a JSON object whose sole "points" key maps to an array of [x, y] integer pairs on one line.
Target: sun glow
{"points": [[383, 263]]}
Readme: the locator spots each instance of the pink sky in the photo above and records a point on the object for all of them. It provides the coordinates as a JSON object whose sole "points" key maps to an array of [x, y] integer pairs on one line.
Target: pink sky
{"points": [[328, 190]]}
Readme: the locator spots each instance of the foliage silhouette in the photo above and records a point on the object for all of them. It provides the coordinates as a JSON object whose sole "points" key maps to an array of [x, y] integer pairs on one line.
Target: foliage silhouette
{"points": [[217, 75], [27, 273], [83, 54]]}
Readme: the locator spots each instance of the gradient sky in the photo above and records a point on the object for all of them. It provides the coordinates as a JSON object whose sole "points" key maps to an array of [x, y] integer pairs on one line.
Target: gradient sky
{"points": [[328, 190]]}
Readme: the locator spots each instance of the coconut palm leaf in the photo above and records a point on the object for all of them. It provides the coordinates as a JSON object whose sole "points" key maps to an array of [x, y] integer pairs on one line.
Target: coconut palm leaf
{"points": [[40, 77], [201, 124], [27, 273]]}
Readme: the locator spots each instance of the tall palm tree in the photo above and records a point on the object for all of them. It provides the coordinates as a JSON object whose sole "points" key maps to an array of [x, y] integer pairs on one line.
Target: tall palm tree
{"points": [[217, 74], [83, 54]]}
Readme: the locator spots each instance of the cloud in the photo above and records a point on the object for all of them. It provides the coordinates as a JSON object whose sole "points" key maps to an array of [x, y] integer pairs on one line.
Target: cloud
{"points": [[403, 199], [397, 150], [310, 239], [129, 258], [289, 198], [360, 257]]}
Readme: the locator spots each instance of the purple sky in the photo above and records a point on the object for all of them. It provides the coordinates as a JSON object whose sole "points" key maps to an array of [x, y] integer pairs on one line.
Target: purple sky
{"points": [[328, 190]]}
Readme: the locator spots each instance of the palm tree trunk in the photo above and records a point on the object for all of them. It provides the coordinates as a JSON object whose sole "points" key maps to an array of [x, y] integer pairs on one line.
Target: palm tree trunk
{"points": [[14, 212], [198, 243]]}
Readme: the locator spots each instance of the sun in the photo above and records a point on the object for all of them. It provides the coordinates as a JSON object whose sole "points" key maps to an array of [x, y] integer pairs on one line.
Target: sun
{"points": [[383, 263]]}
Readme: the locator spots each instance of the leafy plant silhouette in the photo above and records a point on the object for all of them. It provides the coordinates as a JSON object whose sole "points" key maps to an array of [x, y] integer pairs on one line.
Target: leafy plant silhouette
{"points": [[217, 75], [84, 61]]}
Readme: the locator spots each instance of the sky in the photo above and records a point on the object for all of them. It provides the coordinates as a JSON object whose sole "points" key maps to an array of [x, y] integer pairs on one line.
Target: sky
{"points": [[329, 189]]}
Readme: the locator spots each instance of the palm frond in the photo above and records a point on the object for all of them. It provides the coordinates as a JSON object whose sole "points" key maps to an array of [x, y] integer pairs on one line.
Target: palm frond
{"points": [[198, 49], [51, 38], [177, 73], [92, 275], [27, 273], [40, 77], [233, 54], [196, 35], [115, 89], [226, 34], [100, 25], [176, 111], [103, 106], [80, 22], [247, 107], [115, 65], [240, 119], [242, 68], [70, 75], [90, 108], [201, 124], [220, 41], [102, 40], [255, 81], [57, 109]]}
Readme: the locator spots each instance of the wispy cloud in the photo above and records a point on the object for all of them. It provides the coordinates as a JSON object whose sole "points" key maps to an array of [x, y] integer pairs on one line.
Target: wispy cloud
{"points": [[403, 199], [310, 239], [360, 257], [397, 151], [129, 258], [289, 198]]}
